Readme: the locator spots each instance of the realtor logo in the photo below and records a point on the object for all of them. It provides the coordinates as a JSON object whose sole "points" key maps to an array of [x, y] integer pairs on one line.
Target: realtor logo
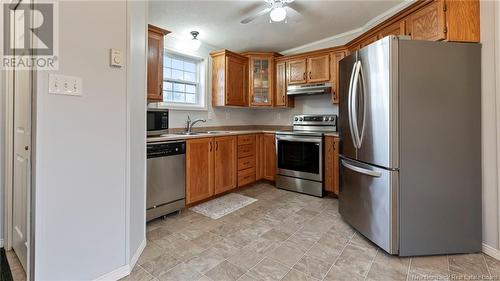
{"points": [[29, 36]]}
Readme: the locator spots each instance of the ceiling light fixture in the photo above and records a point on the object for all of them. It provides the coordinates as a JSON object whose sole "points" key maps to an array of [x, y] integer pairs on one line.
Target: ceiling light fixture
{"points": [[278, 13], [194, 43]]}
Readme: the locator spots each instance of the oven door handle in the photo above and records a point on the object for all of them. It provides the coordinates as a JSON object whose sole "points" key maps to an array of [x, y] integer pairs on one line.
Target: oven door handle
{"points": [[298, 139]]}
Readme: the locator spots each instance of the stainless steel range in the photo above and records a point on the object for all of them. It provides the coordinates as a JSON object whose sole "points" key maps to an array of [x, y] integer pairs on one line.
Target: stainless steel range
{"points": [[299, 153]]}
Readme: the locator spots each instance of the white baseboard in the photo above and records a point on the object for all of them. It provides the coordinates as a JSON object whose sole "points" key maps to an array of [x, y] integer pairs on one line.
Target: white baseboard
{"points": [[137, 254], [125, 270], [116, 274], [492, 252]]}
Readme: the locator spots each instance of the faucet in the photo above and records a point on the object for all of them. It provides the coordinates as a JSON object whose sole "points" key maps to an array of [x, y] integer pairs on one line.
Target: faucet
{"points": [[190, 124]]}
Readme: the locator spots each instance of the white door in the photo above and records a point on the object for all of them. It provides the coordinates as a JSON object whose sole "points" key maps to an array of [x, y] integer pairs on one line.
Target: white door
{"points": [[22, 147], [21, 179]]}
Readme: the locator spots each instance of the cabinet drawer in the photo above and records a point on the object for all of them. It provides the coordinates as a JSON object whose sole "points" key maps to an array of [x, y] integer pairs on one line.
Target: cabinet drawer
{"points": [[246, 150], [246, 176], [246, 162], [246, 139]]}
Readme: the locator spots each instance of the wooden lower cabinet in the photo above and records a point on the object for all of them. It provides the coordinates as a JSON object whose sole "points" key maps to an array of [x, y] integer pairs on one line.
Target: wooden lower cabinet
{"points": [[268, 157], [199, 169], [210, 167], [225, 164], [332, 164], [247, 151]]}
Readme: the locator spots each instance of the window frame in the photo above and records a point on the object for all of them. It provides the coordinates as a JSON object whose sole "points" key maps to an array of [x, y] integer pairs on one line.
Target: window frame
{"points": [[200, 84]]}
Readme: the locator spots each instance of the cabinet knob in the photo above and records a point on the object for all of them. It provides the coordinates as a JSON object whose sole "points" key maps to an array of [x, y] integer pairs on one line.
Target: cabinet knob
{"points": [[310, 75], [305, 76]]}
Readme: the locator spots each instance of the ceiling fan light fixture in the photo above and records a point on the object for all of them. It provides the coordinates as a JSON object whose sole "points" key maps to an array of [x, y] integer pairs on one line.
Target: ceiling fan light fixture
{"points": [[194, 43], [278, 14]]}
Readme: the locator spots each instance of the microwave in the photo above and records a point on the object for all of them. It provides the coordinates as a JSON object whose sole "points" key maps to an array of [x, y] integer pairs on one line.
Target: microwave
{"points": [[157, 121]]}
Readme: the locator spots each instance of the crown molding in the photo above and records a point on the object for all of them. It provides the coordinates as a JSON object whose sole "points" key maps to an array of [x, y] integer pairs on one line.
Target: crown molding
{"points": [[357, 31]]}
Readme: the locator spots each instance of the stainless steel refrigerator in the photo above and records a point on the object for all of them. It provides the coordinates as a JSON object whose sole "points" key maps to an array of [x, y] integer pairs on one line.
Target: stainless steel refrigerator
{"points": [[410, 128]]}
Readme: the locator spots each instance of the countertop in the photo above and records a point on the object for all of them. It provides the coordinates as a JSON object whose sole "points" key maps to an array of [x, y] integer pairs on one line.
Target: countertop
{"points": [[223, 131]]}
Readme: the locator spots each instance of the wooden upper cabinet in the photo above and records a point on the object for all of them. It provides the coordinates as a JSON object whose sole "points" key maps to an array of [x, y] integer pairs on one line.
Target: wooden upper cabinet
{"points": [[318, 68], [296, 71], [397, 28], [261, 79], [155, 63], [369, 40], [225, 163], [429, 22], [280, 97], [463, 21], [353, 48], [235, 81], [199, 169], [229, 79], [335, 58]]}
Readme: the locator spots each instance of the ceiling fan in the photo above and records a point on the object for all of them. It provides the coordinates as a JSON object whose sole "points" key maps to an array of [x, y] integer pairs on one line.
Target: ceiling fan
{"points": [[277, 10]]}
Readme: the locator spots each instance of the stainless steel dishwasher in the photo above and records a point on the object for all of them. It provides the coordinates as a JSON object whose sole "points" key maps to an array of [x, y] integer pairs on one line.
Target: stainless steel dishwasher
{"points": [[165, 178]]}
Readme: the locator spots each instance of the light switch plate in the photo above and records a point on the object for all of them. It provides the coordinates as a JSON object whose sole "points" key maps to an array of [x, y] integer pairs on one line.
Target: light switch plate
{"points": [[65, 85], [116, 57]]}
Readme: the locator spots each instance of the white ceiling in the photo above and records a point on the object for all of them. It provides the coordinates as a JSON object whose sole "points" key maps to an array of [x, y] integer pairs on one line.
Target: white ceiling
{"points": [[219, 21]]}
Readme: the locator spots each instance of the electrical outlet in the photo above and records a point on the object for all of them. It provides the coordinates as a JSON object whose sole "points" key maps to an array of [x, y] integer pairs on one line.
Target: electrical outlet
{"points": [[278, 115], [210, 115], [228, 116], [65, 85]]}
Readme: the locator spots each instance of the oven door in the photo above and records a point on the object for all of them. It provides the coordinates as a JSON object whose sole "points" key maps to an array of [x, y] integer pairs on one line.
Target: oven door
{"points": [[300, 156]]}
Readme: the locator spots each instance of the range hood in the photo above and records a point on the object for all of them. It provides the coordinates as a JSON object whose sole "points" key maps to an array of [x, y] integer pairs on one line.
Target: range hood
{"points": [[309, 89]]}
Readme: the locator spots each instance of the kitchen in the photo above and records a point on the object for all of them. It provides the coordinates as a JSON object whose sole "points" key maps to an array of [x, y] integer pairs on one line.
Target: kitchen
{"points": [[277, 194], [386, 170]]}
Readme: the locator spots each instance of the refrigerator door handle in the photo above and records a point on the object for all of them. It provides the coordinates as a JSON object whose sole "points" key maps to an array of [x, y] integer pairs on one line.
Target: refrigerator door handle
{"points": [[363, 99], [350, 103], [354, 101], [360, 170]]}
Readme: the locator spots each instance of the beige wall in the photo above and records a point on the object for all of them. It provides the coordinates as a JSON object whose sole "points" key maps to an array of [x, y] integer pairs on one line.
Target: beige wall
{"points": [[89, 205]]}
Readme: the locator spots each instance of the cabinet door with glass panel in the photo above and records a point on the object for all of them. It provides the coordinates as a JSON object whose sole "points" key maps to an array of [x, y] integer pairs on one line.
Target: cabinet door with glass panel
{"points": [[261, 80], [181, 79]]}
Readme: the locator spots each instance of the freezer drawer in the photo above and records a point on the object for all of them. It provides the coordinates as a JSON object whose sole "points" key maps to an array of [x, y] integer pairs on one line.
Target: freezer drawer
{"points": [[368, 202]]}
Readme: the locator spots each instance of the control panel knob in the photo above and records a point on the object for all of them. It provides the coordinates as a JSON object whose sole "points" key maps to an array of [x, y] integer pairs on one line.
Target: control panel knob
{"points": [[301, 119], [296, 119], [325, 119]]}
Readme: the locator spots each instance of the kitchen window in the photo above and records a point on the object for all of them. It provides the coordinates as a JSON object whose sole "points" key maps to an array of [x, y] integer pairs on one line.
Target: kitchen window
{"points": [[182, 87]]}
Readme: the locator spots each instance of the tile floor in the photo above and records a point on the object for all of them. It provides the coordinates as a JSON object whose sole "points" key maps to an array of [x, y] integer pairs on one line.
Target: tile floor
{"points": [[285, 236], [16, 268]]}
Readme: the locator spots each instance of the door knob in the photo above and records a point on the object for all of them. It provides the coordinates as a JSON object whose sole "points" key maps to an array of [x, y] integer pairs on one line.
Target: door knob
{"points": [[26, 148]]}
